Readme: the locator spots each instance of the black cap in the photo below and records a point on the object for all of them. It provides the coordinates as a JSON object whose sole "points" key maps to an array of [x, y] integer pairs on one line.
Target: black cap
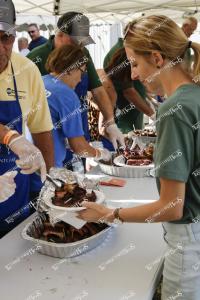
{"points": [[77, 26], [7, 17]]}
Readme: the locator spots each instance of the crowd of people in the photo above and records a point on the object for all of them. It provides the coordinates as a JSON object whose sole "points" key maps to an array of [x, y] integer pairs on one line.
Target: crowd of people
{"points": [[47, 92]]}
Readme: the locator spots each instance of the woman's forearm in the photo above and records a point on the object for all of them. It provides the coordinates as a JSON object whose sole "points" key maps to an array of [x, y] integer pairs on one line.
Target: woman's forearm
{"points": [[152, 212]]}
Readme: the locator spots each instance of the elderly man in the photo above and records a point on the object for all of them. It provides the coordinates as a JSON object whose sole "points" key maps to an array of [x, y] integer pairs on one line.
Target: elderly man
{"points": [[73, 27], [22, 100], [189, 26], [36, 39], [23, 46]]}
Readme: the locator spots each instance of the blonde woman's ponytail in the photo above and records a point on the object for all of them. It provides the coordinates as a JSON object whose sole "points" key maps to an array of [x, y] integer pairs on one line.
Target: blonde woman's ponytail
{"points": [[196, 65]]}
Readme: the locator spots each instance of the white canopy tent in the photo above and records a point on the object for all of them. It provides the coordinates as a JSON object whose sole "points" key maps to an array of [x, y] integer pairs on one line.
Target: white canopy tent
{"points": [[108, 10], [107, 17]]}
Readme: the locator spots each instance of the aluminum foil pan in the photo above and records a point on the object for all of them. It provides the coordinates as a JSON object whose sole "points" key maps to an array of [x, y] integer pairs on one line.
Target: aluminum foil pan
{"points": [[126, 171], [62, 250]]}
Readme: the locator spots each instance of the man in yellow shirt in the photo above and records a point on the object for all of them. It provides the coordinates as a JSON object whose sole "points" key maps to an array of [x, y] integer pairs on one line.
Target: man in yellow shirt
{"points": [[22, 100]]}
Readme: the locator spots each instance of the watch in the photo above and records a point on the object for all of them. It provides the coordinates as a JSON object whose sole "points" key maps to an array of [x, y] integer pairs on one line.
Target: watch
{"points": [[117, 219]]}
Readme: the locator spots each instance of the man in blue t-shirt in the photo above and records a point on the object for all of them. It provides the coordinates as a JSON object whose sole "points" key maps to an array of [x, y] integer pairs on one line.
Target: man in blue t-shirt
{"points": [[37, 39]]}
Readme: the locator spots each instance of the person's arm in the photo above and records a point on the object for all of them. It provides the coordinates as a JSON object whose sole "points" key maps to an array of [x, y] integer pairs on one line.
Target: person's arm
{"points": [[168, 208], [103, 101], [108, 86], [134, 97], [110, 89], [3, 131], [174, 162], [80, 146], [39, 119], [39, 143], [100, 97], [44, 142]]}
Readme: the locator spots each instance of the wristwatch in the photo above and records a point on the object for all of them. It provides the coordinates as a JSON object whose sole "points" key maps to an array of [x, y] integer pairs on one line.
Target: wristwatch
{"points": [[117, 219]]}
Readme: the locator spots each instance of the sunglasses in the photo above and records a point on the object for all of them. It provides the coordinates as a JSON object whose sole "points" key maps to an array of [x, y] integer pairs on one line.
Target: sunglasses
{"points": [[82, 71], [32, 31], [130, 28], [7, 39]]}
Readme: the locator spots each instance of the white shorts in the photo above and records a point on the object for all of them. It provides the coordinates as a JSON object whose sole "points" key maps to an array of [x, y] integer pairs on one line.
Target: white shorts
{"points": [[181, 274]]}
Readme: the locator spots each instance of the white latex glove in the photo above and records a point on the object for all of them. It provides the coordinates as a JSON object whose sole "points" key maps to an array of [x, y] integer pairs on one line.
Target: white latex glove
{"points": [[115, 135], [105, 155], [7, 185], [30, 157], [153, 117]]}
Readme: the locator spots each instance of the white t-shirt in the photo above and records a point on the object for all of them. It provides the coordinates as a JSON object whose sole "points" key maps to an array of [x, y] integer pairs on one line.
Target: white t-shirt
{"points": [[24, 52]]}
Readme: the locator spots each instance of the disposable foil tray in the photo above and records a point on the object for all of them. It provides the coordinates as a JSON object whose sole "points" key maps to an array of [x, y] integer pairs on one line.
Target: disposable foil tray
{"points": [[62, 250]]}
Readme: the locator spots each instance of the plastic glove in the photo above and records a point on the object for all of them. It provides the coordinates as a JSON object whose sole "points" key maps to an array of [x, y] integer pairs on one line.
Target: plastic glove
{"points": [[153, 117], [104, 155], [115, 135], [7, 185], [30, 157]]}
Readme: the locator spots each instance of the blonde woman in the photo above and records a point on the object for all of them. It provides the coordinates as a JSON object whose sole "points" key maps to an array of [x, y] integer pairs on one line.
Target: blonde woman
{"points": [[158, 47]]}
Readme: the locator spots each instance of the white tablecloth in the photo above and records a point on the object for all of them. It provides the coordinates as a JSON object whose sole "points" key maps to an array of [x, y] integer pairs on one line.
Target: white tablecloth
{"points": [[126, 266]]}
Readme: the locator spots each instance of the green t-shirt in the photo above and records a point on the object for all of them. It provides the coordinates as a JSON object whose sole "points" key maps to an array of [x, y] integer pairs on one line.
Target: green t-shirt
{"points": [[40, 54], [177, 152], [126, 120]]}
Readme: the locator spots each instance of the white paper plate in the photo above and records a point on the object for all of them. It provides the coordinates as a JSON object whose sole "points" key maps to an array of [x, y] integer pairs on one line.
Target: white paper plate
{"points": [[69, 214], [120, 161], [100, 198]]}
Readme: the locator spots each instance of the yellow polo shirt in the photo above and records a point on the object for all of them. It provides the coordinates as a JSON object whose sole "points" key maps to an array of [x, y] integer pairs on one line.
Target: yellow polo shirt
{"points": [[31, 92]]}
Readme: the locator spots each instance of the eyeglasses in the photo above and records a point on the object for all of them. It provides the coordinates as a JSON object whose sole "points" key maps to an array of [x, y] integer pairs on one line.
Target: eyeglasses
{"points": [[32, 31], [7, 39]]}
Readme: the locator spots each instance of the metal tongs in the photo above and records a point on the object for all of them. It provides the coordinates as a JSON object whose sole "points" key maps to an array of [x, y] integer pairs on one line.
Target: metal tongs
{"points": [[58, 183], [40, 206]]}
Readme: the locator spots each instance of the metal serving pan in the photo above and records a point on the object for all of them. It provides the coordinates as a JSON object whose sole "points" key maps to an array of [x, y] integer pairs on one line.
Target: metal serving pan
{"points": [[64, 250]]}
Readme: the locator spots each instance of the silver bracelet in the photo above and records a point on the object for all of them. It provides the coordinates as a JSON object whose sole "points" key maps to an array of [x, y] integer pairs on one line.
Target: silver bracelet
{"points": [[103, 219]]}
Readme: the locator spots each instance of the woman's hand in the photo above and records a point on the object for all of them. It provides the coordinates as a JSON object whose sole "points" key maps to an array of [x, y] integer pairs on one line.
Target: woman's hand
{"points": [[95, 212]]}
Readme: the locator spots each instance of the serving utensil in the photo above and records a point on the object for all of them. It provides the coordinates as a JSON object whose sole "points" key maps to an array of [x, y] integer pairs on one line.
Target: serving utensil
{"points": [[58, 183]]}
